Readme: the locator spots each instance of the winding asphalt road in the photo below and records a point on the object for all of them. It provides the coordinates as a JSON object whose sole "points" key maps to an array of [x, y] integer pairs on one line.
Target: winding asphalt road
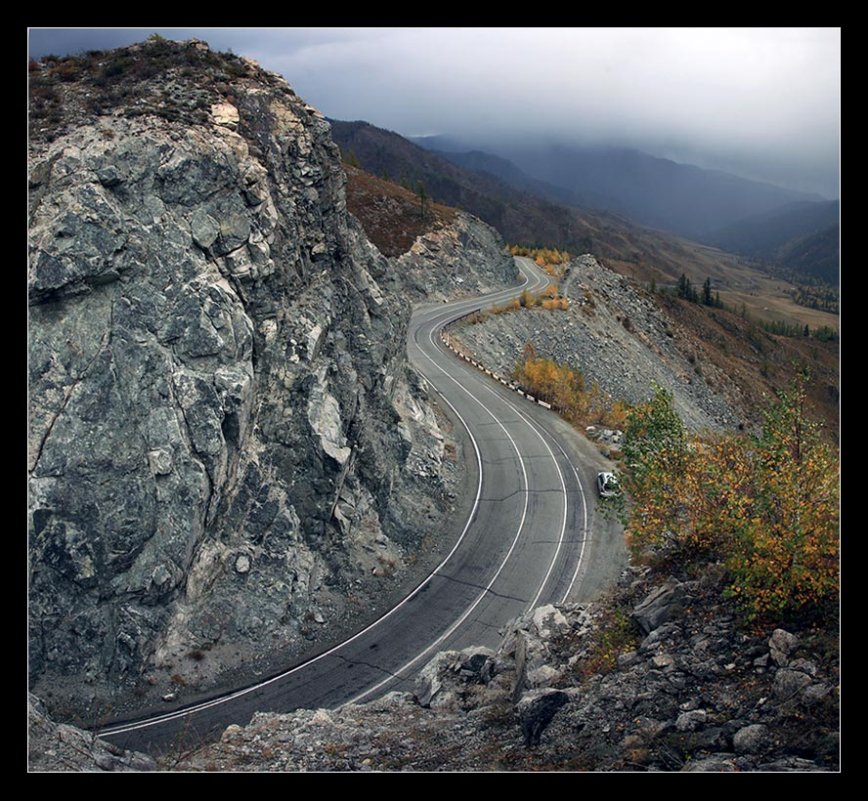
{"points": [[530, 538]]}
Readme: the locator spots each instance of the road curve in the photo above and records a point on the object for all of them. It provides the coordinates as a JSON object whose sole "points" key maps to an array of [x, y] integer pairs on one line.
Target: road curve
{"points": [[527, 541]]}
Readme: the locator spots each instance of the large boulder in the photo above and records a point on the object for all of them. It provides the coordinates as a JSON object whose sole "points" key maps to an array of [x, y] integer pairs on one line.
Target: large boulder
{"points": [[443, 681], [661, 605], [59, 747], [535, 711], [781, 645], [751, 739]]}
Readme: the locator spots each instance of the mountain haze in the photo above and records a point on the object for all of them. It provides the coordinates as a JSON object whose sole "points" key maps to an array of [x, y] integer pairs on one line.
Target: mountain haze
{"points": [[802, 237], [658, 192], [504, 170]]}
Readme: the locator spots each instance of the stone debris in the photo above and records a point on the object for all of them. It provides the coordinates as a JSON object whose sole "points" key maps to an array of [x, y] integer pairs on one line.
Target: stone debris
{"points": [[58, 747], [666, 706], [465, 259], [590, 336]]}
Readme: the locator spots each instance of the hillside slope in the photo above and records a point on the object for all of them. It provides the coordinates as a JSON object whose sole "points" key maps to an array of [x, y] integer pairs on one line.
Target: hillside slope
{"points": [[516, 215], [656, 677], [801, 237], [720, 366]]}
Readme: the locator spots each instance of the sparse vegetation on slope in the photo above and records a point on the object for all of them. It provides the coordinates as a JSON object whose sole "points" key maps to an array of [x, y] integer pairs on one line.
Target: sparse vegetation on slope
{"points": [[564, 387], [178, 81], [393, 216], [552, 260], [765, 508], [757, 363]]}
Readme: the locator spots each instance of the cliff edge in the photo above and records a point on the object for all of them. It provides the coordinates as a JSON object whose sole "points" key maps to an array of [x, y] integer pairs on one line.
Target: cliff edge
{"points": [[228, 456]]}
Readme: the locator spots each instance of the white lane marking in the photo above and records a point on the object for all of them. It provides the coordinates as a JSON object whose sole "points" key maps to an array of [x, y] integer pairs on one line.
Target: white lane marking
{"points": [[180, 713], [586, 531], [470, 609], [467, 612], [536, 430]]}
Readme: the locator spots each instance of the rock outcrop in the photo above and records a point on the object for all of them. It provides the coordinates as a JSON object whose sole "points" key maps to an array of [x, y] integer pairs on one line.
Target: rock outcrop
{"points": [[57, 747], [227, 453], [455, 260]]}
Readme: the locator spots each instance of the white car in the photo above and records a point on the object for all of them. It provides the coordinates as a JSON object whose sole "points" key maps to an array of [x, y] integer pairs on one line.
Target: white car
{"points": [[607, 485]]}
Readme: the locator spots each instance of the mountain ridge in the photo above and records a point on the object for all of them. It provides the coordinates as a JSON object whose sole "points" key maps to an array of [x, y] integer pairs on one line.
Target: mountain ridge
{"points": [[633, 182], [802, 237]]}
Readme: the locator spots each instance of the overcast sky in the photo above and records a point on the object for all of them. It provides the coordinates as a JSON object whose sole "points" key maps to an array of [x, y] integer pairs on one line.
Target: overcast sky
{"points": [[763, 103]]}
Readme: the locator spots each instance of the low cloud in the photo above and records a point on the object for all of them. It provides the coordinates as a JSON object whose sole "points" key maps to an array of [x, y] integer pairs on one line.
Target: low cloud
{"points": [[760, 102]]}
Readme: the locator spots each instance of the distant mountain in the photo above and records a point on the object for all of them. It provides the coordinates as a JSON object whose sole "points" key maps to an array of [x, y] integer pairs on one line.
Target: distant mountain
{"points": [[817, 255], [510, 174], [520, 215], [440, 143], [653, 191], [802, 237]]}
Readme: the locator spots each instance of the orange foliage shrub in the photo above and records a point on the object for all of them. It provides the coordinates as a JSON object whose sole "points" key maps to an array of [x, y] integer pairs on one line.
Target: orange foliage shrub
{"points": [[565, 389], [549, 259], [766, 507]]}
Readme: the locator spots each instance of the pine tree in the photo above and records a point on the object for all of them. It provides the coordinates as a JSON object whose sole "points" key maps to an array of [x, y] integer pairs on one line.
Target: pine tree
{"points": [[420, 190]]}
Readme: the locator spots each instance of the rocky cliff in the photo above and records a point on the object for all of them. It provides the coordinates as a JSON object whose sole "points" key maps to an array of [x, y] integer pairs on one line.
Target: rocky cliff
{"points": [[227, 453], [457, 260]]}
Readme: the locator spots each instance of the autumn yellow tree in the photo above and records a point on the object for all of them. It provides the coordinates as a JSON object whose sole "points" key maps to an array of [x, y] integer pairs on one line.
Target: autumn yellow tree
{"points": [[765, 507], [564, 387], [785, 556]]}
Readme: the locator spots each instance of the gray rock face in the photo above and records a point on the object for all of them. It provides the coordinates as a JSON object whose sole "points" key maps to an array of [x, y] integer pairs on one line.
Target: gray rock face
{"points": [[692, 720], [443, 682], [59, 747], [750, 739], [781, 643], [457, 261], [789, 683], [661, 605], [719, 763], [536, 709], [215, 356]]}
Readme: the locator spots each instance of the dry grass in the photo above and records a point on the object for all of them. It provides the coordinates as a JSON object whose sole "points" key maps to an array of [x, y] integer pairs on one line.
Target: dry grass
{"points": [[391, 214], [753, 364]]}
